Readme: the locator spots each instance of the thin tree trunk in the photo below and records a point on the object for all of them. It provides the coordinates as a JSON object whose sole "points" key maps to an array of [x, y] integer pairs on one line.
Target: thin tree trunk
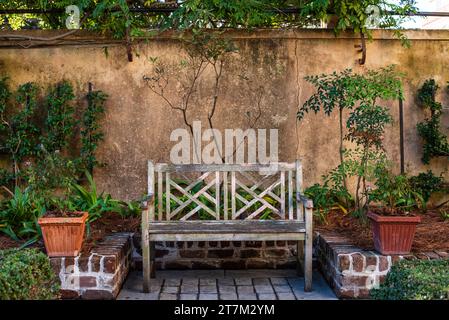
{"points": [[345, 184]]}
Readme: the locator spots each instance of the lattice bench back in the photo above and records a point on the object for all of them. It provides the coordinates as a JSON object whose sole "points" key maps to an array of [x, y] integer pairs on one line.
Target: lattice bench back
{"points": [[225, 191]]}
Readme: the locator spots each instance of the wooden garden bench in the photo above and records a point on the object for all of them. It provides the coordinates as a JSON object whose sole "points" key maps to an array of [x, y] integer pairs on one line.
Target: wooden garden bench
{"points": [[225, 202]]}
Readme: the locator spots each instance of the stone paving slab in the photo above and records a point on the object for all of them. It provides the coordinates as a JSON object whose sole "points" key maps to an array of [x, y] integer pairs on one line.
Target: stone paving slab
{"points": [[225, 285]]}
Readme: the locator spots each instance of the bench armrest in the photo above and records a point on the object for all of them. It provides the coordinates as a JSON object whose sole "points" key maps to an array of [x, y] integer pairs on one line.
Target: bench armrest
{"points": [[308, 203]]}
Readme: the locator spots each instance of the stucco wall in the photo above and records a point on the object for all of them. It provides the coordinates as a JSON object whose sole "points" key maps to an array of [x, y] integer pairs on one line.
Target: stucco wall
{"points": [[138, 124]]}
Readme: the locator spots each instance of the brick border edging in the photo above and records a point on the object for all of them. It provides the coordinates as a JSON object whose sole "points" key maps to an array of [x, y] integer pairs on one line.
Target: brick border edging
{"points": [[351, 271], [98, 274]]}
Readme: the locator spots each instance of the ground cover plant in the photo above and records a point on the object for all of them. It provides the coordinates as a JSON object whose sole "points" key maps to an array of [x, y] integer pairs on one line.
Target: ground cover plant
{"points": [[27, 275], [415, 280]]}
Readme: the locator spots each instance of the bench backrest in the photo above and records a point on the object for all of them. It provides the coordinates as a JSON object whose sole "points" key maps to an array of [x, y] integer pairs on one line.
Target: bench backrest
{"points": [[225, 191]]}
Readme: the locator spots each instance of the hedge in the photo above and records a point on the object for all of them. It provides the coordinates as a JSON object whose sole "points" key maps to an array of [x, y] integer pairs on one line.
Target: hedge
{"points": [[26, 275], [415, 280]]}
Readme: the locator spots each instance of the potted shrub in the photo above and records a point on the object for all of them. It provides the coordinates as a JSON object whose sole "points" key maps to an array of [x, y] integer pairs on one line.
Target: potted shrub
{"points": [[63, 231], [393, 222]]}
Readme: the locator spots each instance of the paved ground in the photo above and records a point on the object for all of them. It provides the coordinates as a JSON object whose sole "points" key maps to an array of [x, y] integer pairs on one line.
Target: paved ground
{"points": [[226, 285]]}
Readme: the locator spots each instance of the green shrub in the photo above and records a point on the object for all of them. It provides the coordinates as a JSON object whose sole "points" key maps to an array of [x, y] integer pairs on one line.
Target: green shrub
{"points": [[426, 183], [395, 192], [26, 275], [415, 280]]}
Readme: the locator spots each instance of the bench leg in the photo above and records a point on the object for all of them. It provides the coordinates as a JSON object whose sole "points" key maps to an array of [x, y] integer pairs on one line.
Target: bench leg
{"points": [[300, 258], [153, 260], [146, 264], [308, 263]]}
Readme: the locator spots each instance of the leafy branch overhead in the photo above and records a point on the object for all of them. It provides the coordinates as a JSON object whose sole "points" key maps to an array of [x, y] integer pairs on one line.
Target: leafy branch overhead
{"points": [[124, 18]]}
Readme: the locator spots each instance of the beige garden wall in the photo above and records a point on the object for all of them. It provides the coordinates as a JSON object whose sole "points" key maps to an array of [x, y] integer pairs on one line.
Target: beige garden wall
{"points": [[138, 123]]}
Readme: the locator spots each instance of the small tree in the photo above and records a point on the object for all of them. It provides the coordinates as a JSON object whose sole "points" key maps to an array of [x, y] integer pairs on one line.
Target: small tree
{"points": [[366, 123], [219, 55], [332, 91]]}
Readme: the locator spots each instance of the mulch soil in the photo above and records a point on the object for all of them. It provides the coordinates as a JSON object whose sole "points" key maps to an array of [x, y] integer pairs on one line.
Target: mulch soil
{"points": [[432, 234]]}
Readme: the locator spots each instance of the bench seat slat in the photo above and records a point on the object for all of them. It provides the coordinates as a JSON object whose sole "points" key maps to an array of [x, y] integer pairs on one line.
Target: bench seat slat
{"points": [[226, 236], [219, 227]]}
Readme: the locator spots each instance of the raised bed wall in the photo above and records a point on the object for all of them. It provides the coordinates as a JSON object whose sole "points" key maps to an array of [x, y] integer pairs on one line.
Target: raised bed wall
{"points": [[353, 272]]}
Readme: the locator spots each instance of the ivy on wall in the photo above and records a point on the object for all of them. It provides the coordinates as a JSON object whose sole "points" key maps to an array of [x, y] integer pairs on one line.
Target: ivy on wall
{"points": [[38, 135], [435, 142]]}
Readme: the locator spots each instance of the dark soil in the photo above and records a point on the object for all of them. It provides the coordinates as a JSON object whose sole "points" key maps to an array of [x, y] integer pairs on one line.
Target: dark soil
{"points": [[383, 211], [432, 234], [62, 214], [109, 223]]}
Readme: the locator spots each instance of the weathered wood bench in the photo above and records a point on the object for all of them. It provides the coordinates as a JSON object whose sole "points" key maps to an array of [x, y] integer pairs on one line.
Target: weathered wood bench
{"points": [[233, 198]]}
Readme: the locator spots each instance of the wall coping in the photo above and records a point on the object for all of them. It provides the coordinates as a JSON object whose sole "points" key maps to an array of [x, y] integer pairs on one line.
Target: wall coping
{"points": [[84, 37]]}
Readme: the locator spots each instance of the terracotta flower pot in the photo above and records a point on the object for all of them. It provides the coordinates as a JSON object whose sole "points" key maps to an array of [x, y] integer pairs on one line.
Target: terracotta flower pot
{"points": [[393, 234], [63, 236]]}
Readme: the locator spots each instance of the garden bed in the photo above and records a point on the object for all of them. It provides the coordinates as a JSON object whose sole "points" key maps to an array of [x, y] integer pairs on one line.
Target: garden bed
{"points": [[432, 234]]}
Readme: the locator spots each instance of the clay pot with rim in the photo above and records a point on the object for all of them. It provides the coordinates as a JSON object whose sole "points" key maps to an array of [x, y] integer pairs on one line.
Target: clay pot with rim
{"points": [[393, 234], [63, 234]]}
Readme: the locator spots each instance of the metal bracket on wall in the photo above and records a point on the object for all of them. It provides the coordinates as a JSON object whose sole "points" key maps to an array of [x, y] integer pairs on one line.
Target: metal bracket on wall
{"points": [[362, 48]]}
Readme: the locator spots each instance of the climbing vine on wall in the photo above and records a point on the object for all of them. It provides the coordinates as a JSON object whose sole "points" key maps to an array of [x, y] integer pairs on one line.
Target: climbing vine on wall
{"points": [[91, 133], [435, 142], [39, 135], [60, 122]]}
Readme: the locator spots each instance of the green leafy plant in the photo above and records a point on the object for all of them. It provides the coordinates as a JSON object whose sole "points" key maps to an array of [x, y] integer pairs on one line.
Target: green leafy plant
{"points": [[117, 17], [444, 214], [60, 122], [41, 147], [91, 133], [333, 91], [415, 280], [354, 15], [359, 93], [435, 142], [394, 192], [325, 199], [50, 172], [197, 14], [131, 209], [27, 275], [88, 199], [426, 183], [19, 214], [18, 129]]}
